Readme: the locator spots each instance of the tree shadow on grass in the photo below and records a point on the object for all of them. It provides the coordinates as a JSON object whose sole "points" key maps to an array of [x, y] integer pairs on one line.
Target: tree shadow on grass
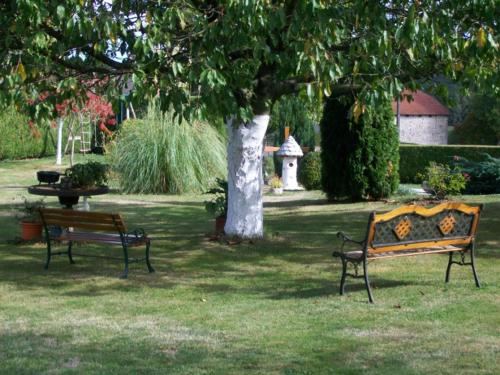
{"points": [[296, 203]]}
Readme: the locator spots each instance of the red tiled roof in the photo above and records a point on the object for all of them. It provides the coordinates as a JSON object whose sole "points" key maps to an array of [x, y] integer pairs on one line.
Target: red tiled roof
{"points": [[422, 105]]}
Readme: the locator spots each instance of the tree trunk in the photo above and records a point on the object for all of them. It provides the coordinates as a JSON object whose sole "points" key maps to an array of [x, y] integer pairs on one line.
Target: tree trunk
{"points": [[60, 124], [245, 146]]}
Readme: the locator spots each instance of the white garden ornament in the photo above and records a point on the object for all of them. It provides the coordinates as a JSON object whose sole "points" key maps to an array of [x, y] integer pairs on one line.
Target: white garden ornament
{"points": [[290, 151]]}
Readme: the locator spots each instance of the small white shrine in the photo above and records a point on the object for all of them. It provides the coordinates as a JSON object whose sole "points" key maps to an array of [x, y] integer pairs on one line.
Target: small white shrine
{"points": [[290, 151]]}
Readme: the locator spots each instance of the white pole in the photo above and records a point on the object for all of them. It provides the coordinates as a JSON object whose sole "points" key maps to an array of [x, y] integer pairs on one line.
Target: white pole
{"points": [[60, 124]]}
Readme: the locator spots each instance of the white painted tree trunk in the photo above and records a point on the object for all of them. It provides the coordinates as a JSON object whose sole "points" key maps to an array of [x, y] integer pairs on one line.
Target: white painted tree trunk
{"points": [[245, 214], [60, 123]]}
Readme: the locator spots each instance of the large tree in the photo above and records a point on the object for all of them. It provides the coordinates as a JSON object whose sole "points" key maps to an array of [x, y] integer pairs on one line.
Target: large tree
{"points": [[234, 58]]}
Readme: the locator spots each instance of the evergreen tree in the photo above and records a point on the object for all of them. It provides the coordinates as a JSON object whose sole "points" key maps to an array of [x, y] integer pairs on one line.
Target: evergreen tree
{"points": [[359, 150], [292, 111]]}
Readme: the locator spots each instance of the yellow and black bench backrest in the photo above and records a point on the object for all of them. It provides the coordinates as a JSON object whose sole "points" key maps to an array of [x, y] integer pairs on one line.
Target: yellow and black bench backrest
{"points": [[93, 221], [410, 227]]}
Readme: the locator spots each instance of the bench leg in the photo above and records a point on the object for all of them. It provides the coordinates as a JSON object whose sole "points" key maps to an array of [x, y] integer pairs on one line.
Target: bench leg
{"points": [[473, 264], [125, 258], [49, 254], [367, 282], [344, 272], [148, 263], [463, 263], [70, 245], [450, 262]]}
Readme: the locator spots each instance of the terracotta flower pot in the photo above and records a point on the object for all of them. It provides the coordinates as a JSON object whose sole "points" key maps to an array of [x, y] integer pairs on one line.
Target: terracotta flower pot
{"points": [[220, 222], [31, 230]]}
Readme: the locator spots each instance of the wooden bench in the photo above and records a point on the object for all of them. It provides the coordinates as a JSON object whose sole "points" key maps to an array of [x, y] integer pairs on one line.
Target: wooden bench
{"points": [[63, 225], [413, 230]]}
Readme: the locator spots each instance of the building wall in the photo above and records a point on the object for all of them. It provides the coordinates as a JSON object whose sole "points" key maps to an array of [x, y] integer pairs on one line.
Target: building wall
{"points": [[424, 130]]}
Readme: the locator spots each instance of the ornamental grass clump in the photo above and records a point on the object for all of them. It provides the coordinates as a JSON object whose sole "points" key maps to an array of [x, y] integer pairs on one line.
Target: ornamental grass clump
{"points": [[159, 154]]}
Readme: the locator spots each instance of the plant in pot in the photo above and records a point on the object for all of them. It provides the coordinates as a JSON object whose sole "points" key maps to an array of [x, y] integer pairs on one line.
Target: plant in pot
{"points": [[276, 185], [86, 175], [217, 206], [31, 224]]}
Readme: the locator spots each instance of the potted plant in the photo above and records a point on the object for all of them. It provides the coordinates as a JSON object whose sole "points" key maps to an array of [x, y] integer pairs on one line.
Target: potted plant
{"points": [[31, 225], [86, 175], [217, 206], [276, 185]]}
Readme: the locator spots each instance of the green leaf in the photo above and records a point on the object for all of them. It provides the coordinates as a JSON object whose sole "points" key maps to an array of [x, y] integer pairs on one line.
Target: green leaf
{"points": [[60, 11]]}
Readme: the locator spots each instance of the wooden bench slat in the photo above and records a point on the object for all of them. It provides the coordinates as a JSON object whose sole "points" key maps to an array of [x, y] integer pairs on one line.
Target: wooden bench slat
{"points": [[418, 245], [75, 224], [104, 238], [75, 213]]}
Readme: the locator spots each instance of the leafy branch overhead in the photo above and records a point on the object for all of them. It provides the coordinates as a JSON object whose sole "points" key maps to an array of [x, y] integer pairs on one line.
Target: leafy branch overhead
{"points": [[235, 58]]}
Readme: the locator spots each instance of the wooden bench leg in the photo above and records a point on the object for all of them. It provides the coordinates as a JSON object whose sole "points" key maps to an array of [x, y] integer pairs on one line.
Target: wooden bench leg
{"points": [[367, 282], [125, 258], [70, 246], [150, 267]]}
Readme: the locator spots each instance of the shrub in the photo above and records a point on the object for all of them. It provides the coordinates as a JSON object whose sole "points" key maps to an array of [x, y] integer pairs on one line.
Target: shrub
{"points": [[483, 177], [20, 141], [158, 154], [310, 171], [89, 174], [359, 159], [217, 206], [414, 158], [442, 181]]}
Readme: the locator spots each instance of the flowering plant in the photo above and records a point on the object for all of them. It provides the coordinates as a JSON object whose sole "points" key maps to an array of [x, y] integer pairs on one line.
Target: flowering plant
{"points": [[275, 182]]}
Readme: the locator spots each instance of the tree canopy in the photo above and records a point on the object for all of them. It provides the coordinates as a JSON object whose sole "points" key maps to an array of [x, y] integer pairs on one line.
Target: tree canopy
{"points": [[236, 57]]}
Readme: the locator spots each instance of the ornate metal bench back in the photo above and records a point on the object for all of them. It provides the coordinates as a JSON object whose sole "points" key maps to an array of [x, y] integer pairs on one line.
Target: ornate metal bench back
{"points": [[445, 224]]}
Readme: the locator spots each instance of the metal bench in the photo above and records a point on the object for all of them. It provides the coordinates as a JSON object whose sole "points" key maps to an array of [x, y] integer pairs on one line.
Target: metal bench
{"points": [[63, 225], [413, 230]]}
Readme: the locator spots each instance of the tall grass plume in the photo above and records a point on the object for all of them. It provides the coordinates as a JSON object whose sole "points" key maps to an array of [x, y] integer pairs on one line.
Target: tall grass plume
{"points": [[159, 154]]}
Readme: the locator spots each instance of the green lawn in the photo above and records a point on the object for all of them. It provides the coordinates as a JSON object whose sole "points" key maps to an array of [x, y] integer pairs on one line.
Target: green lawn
{"points": [[271, 307]]}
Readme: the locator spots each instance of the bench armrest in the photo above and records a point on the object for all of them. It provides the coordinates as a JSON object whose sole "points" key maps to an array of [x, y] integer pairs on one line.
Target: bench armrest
{"points": [[137, 234], [346, 239]]}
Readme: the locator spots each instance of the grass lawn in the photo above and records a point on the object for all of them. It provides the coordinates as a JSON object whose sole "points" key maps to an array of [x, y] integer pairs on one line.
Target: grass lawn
{"points": [[271, 307]]}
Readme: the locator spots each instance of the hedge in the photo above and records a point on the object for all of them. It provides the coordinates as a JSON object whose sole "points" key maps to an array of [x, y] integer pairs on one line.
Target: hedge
{"points": [[18, 141], [414, 158]]}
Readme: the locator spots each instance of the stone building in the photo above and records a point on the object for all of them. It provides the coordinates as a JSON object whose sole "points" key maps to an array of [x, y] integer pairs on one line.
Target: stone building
{"points": [[423, 120]]}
